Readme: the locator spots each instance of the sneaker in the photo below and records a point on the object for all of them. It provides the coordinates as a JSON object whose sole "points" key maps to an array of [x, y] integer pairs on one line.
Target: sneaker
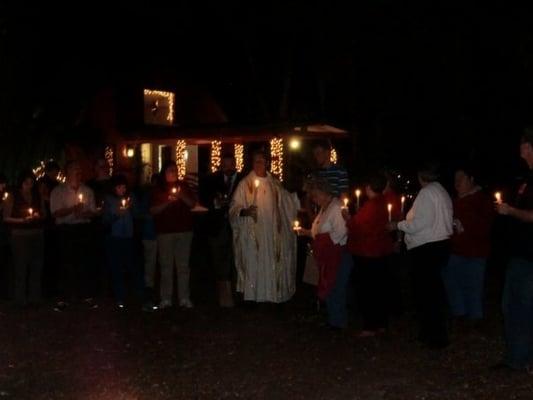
{"points": [[186, 303], [60, 306], [164, 304], [90, 303]]}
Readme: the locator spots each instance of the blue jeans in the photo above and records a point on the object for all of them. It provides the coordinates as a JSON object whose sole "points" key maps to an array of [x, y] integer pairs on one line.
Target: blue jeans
{"points": [[518, 313], [464, 279], [337, 298], [120, 259]]}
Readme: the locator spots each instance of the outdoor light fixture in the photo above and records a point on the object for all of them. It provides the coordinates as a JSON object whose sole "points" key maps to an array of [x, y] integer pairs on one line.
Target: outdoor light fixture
{"points": [[295, 144], [130, 151]]}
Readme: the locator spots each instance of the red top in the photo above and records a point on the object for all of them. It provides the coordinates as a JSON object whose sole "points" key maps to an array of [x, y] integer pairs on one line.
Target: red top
{"points": [[328, 256], [176, 217], [367, 233], [475, 212]]}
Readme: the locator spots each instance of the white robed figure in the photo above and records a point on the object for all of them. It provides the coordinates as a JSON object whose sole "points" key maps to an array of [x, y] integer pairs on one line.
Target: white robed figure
{"points": [[261, 215]]}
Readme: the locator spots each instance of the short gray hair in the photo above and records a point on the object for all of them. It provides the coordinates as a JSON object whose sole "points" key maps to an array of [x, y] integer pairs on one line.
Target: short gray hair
{"points": [[320, 184]]}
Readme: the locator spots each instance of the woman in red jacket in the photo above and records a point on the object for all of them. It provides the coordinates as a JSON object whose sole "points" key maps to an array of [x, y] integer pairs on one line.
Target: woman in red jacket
{"points": [[465, 273], [370, 244]]}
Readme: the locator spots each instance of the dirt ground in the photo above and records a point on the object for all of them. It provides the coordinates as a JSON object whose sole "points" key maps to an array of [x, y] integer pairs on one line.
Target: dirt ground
{"points": [[264, 352]]}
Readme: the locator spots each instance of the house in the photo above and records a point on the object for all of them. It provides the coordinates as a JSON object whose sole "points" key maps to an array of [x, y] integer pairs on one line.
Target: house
{"points": [[144, 127]]}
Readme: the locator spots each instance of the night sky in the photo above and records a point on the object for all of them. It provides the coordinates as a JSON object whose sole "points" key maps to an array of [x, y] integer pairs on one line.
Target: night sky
{"points": [[408, 82]]}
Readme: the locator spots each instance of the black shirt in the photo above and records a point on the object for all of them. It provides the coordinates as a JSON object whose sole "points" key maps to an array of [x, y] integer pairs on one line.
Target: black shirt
{"points": [[521, 233]]}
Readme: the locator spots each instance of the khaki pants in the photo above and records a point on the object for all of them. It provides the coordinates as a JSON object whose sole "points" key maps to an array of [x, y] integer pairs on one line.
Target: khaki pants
{"points": [[174, 250], [150, 260]]}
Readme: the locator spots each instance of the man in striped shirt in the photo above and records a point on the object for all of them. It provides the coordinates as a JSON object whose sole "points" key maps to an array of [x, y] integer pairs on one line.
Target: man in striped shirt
{"points": [[335, 175]]}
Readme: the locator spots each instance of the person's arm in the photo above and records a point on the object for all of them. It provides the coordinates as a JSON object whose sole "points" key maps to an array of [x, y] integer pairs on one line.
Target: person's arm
{"points": [[338, 227], [238, 206], [423, 215], [188, 196], [8, 210], [57, 207], [522, 215]]}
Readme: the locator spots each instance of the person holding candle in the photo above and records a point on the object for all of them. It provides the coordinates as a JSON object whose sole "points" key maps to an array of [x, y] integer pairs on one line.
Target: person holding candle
{"points": [[329, 236], [120, 247], [464, 275], [171, 210], [73, 214], [216, 193], [518, 291], [371, 244], [5, 277], [261, 218], [23, 213], [428, 227]]}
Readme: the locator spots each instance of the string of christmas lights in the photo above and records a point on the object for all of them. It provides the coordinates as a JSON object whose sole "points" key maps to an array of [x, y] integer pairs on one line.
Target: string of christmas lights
{"points": [[276, 155], [333, 156], [216, 152], [170, 98], [109, 158], [239, 156], [181, 158]]}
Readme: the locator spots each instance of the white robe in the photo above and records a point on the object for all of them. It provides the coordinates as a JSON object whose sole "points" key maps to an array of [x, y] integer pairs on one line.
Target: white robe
{"points": [[265, 251]]}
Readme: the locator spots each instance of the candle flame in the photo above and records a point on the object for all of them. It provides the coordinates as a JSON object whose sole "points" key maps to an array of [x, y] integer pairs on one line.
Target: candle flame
{"points": [[389, 207], [80, 197], [256, 183], [357, 192], [296, 224], [498, 197], [30, 211], [174, 190], [123, 202], [403, 199], [346, 202]]}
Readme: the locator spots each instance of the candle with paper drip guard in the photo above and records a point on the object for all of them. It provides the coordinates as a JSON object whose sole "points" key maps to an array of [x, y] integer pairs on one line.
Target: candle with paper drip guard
{"points": [[357, 196], [296, 227], [498, 197], [346, 201], [403, 205], [389, 209], [256, 186]]}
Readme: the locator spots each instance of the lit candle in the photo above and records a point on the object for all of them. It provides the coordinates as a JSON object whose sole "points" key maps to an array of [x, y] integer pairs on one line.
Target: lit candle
{"points": [[123, 203], [403, 204], [498, 197], [80, 197], [346, 201], [174, 190], [30, 211], [6, 195], [297, 226], [389, 209], [256, 186], [357, 195]]}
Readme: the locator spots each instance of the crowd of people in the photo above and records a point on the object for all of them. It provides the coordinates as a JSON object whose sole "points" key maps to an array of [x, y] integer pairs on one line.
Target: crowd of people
{"points": [[69, 237]]}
